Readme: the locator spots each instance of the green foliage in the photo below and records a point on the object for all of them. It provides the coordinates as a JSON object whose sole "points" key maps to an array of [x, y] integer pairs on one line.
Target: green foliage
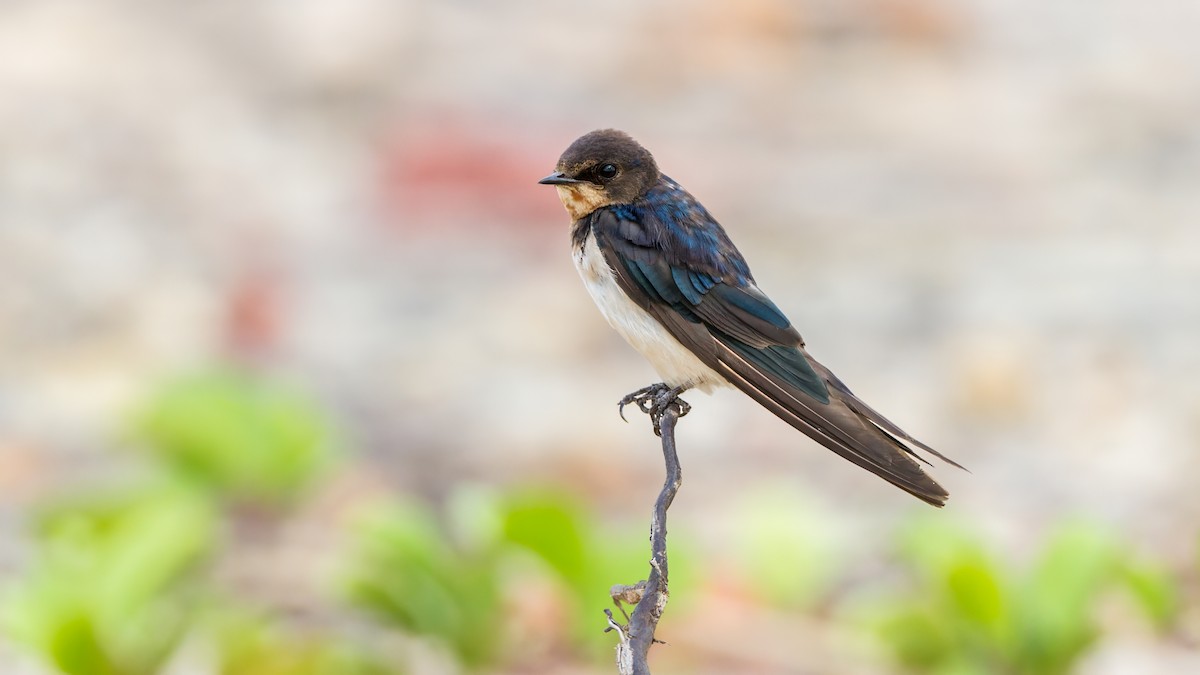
{"points": [[586, 558], [114, 581], [971, 612], [406, 572], [414, 574], [118, 581], [253, 645], [238, 436], [552, 526], [1154, 590]]}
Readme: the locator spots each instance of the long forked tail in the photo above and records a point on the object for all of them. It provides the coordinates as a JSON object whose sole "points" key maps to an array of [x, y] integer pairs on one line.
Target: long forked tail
{"points": [[844, 424]]}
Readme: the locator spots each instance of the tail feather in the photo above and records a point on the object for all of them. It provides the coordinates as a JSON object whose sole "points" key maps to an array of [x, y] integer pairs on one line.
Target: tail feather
{"points": [[845, 425], [859, 406]]}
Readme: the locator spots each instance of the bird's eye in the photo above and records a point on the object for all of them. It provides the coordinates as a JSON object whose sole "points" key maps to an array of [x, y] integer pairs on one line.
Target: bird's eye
{"points": [[607, 171]]}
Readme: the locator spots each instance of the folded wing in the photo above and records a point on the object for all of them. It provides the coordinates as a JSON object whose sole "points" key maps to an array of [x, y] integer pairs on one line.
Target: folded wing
{"points": [[705, 297]]}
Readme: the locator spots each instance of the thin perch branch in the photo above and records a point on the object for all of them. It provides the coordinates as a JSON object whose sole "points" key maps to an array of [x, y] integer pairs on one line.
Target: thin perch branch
{"points": [[652, 594]]}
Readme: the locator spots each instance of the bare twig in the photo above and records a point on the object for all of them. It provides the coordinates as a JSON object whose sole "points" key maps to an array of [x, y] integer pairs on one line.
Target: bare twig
{"points": [[651, 594]]}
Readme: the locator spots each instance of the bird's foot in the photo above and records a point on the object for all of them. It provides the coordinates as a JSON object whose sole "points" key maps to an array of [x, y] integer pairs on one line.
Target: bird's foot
{"points": [[654, 401]]}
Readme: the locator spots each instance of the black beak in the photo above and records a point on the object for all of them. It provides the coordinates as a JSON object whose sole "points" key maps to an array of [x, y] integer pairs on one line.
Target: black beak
{"points": [[558, 178]]}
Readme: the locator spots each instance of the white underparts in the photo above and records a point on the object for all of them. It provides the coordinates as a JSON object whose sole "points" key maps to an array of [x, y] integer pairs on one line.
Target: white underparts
{"points": [[675, 364]]}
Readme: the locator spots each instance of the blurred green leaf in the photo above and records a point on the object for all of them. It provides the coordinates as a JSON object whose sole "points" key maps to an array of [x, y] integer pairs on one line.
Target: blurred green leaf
{"points": [[588, 558], [925, 636], [253, 645], [972, 611], [552, 526], [241, 436], [919, 639], [106, 592], [405, 572], [1056, 602], [1155, 591], [960, 607], [73, 646], [974, 587]]}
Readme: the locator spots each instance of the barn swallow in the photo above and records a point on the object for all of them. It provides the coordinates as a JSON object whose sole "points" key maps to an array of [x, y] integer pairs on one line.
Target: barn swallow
{"points": [[667, 277]]}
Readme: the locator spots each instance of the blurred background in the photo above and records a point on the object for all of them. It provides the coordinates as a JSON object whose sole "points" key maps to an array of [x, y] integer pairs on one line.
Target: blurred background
{"points": [[297, 377]]}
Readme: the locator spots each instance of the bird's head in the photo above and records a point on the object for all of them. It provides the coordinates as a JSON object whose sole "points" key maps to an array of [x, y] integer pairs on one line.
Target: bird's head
{"points": [[600, 169]]}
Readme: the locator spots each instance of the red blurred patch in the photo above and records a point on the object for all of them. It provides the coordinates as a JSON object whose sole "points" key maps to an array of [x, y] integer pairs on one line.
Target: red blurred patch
{"points": [[252, 316], [468, 175]]}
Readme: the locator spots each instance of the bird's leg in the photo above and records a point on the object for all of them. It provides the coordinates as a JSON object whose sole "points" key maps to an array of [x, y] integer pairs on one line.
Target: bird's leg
{"points": [[655, 399]]}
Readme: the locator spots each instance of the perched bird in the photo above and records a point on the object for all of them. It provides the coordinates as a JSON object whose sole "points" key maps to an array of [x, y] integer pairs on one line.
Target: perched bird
{"points": [[669, 280]]}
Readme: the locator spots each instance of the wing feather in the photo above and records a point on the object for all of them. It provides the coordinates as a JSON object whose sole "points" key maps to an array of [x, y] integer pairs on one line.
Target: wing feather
{"points": [[692, 279]]}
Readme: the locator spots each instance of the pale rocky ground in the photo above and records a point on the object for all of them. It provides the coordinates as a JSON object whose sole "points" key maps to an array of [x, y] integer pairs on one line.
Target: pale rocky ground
{"points": [[982, 215]]}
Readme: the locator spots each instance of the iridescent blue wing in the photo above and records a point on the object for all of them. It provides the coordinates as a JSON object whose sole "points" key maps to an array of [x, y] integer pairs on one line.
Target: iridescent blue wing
{"points": [[673, 259], [692, 268]]}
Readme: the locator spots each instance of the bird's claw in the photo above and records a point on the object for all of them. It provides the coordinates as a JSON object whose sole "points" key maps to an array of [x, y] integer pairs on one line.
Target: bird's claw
{"points": [[654, 400], [642, 397]]}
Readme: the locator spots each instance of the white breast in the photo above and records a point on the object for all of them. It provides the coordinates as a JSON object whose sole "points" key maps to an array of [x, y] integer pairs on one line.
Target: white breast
{"points": [[673, 362]]}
